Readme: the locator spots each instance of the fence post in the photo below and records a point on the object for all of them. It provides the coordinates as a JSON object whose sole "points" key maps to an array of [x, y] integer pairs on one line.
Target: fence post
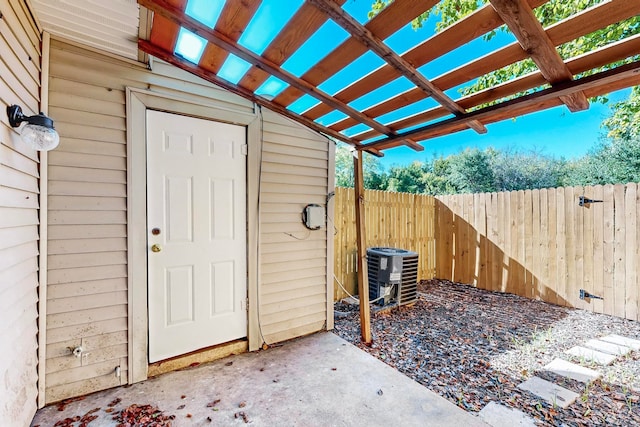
{"points": [[363, 288]]}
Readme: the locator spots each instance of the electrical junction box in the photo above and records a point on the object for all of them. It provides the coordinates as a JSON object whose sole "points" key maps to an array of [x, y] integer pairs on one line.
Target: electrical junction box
{"points": [[313, 217]]}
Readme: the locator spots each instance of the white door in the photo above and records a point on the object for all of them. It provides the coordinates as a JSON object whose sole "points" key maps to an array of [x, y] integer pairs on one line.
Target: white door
{"points": [[196, 213]]}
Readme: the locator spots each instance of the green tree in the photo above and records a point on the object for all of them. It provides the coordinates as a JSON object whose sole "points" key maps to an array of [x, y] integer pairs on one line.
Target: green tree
{"points": [[517, 170], [436, 177], [451, 11], [407, 179], [375, 178], [615, 161], [470, 171], [624, 123]]}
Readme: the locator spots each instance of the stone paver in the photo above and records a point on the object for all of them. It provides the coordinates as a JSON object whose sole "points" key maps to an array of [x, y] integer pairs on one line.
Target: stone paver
{"points": [[573, 371], [497, 415], [607, 347], [549, 391], [591, 355], [620, 340]]}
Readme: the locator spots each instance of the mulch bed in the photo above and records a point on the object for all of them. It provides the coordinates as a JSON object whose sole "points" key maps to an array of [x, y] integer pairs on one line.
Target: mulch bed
{"points": [[473, 346]]}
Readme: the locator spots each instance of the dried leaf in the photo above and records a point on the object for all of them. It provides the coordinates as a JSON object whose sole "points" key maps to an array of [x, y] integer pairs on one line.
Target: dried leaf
{"points": [[212, 404]]}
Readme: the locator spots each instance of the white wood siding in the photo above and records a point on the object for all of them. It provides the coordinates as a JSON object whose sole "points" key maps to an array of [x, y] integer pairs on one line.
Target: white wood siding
{"points": [[19, 84], [87, 292]]}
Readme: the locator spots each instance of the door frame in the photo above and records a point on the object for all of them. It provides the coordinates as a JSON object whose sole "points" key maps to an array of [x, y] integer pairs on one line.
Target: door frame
{"points": [[138, 101]]}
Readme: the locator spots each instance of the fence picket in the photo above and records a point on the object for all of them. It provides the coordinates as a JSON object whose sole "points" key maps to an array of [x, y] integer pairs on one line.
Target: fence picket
{"points": [[588, 247], [571, 292], [631, 252], [552, 244], [578, 281], [527, 244], [598, 248], [619, 251], [608, 243], [542, 249], [561, 272]]}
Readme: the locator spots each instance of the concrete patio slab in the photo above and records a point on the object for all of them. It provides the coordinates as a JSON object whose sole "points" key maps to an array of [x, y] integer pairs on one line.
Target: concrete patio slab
{"points": [[549, 391], [607, 347], [591, 355], [497, 415], [571, 370], [620, 340], [317, 380]]}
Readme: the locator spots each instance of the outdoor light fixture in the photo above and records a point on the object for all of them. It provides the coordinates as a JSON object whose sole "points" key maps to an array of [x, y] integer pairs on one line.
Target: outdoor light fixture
{"points": [[38, 133]]}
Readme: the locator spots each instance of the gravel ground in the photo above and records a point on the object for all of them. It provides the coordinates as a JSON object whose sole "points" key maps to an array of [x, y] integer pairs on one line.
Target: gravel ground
{"points": [[473, 346]]}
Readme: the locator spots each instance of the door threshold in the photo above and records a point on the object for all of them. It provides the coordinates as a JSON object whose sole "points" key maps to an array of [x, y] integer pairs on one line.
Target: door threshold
{"points": [[195, 358]]}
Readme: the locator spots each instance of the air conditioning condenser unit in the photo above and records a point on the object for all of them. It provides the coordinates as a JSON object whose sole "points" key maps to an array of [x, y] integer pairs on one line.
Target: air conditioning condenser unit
{"points": [[393, 276]]}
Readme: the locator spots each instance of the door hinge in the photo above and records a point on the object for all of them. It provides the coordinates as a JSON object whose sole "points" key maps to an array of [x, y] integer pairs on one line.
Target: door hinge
{"points": [[244, 304], [244, 149]]}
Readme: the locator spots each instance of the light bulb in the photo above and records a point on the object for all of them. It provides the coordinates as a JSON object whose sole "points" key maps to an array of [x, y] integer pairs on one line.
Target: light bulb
{"points": [[40, 138]]}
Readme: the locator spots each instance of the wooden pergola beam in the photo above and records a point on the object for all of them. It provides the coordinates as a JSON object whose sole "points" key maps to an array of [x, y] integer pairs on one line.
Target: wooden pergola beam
{"points": [[177, 16], [190, 67], [600, 57], [393, 17], [503, 110], [585, 22], [534, 40], [367, 38], [232, 21], [304, 23]]}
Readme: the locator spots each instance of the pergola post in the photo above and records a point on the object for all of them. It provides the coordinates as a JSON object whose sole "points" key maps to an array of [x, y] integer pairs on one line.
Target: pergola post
{"points": [[361, 264]]}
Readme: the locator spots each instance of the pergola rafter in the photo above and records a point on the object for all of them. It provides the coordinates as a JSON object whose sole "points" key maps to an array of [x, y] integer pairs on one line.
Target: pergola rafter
{"points": [[170, 12], [366, 37], [533, 41], [521, 95], [522, 22], [597, 84]]}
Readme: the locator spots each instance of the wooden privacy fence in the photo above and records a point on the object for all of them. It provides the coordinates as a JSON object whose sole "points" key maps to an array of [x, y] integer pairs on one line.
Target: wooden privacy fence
{"points": [[539, 244], [542, 244], [398, 220]]}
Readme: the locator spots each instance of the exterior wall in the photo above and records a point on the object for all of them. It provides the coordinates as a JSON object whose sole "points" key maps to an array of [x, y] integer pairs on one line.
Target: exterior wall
{"points": [[293, 267], [19, 84], [87, 290]]}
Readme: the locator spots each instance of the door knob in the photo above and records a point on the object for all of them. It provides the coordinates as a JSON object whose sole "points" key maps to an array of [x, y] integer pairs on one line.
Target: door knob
{"points": [[156, 248]]}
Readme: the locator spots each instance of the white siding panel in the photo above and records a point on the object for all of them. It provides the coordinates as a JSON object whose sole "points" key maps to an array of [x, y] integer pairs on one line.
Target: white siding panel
{"points": [[78, 246], [293, 270], [20, 84]]}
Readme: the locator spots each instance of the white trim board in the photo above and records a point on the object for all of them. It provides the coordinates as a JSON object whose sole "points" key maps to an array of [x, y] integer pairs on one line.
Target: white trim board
{"points": [[138, 101]]}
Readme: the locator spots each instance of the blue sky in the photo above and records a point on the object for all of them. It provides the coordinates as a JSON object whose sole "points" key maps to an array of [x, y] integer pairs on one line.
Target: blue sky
{"points": [[556, 131]]}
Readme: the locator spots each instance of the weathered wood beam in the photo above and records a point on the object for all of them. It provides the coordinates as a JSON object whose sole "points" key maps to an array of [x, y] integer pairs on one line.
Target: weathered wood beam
{"points": [[173, 14], [190, 67], [361, 250], [465, 30], [585, 22], [302, 25], [533, 102], [367, 38], [525, 26], [232, 21], [600, 57], [393, 17]]}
